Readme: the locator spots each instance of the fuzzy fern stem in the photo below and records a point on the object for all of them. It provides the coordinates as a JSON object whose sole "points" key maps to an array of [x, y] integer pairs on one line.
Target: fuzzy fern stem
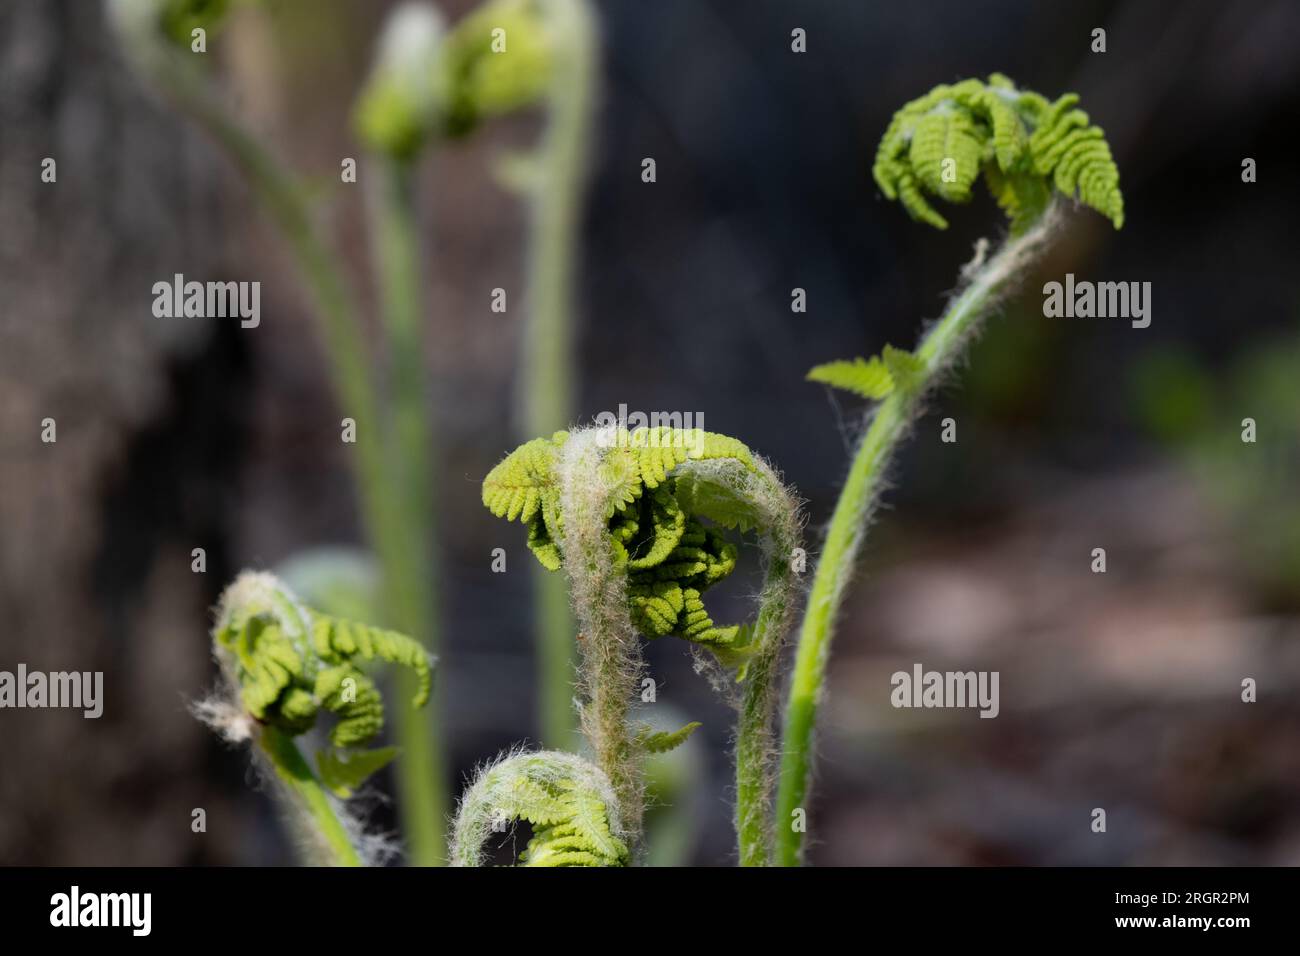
{"points": [[941, 346], [546, 396], [306, 791], [755, 730], [611, 652], [406, 550]]}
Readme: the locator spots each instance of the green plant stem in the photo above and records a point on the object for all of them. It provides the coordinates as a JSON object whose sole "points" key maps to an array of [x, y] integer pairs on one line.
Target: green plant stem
{"points": [[406, 540], [754, 731], [941, 346], [293, 770], [611, 654], [547, 368]]}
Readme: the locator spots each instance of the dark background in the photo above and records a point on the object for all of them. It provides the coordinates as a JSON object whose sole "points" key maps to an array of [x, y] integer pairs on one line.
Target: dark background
{"points": [[1118, 690]]}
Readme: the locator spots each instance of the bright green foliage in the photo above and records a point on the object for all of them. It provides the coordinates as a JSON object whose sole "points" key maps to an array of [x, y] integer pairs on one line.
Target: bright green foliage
{"points": [[567, 800], [662, 741], [291, 663], [874, 378], [1024, 144], [656, 519]]}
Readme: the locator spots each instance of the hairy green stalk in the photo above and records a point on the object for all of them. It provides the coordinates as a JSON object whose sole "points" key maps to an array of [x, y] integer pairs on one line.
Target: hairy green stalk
{"points": [[1029, 150], [853, 509], [611, 653], [547, 375], [406, 551], [295, 773], [755, 731]]}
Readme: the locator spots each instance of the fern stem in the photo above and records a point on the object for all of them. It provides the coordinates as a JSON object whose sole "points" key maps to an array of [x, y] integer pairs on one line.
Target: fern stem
{"points": [[406, 541], [547, 367], [327, 830], [755, 733], [611, 652], [941, 346]]}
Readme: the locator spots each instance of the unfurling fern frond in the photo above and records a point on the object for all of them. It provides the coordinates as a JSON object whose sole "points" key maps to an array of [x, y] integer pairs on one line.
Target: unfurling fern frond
{"points": [[282, 665], [428, 81], [1025, 146], [658, 496], [290, 663], [499, 58], [637, 519], [568, 801]]}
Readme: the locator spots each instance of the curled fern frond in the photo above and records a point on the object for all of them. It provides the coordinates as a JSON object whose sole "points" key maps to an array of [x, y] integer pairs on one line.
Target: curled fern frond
{"points": [[290, 663], [1023, 144], [427, 81], [569, 802], [406, 94], [282, 665], [658, 498], [637, 519], [498, 60]]}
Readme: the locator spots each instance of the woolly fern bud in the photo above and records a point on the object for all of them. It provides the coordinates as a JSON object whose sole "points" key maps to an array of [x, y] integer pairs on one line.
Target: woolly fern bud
{"points": [[404, 99], [569, 802], [1024, 145]]}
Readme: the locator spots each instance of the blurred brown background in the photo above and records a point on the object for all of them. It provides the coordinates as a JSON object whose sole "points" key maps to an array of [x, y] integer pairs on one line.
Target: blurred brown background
{"points": [[1118, 690]]}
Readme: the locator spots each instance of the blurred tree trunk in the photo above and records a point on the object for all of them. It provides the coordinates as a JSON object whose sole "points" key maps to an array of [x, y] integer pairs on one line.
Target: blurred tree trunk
{"points": [[98, 527]]}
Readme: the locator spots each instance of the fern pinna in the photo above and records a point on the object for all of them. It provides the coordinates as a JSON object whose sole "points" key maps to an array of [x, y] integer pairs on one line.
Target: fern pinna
{"points": [[1031, 151], [289, 664], [637, 521]]}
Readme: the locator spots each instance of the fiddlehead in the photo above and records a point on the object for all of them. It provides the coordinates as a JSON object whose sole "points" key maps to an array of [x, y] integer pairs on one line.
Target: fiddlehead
{"points": [[1028, 149], [429, 82], [569, 802], [288, 665], [1024, 145], [637, 519]]}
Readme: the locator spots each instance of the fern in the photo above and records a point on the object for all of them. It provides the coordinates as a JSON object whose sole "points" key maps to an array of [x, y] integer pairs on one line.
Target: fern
{"points": [[1028, 150], [287, 664], [638, 521], [569, 802], [1025, 146], [290, 663]]}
